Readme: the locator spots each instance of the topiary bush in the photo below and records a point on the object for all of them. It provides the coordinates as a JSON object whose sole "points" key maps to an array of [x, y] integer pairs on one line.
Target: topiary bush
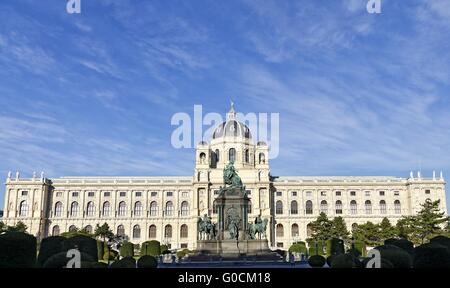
{"points": [[100, 249], [360, 246], [335, 246], [17, 250], [395, 255], [127, 249], [316, 261], [147, 261], [431, 255], [85, 244], [299, 247], [60, 260], [390, 241], [127, 262], [441, 240], [110, 255], [405, 245], [345, 261], [312, 249], [164, 249], [151, 248], [49, 246]]}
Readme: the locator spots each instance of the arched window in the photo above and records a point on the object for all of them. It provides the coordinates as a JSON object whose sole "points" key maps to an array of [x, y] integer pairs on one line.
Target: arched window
{"points": [[23, 209], [153, 208], [120, 230], [74, 209], [309, 207], [294, 207], [217, 156], [324, 207], [58, 209], [55, 230], [232, 155], [383, 207], [368, 206], [72, 228], [294, 230], [247, 156], [353, 207], [90, 209], [280, 230], [354, 226], [169, 208], [184, 231], [214, 207], [88, 229], [136, 232], [106, 208], [184, 208], [202, 158], [168, 231], [309, 230], [122, 208], [338, 207], [138, 208], [152, 231], [279, 207], [262, 158], [249, 208], [397, 207]]}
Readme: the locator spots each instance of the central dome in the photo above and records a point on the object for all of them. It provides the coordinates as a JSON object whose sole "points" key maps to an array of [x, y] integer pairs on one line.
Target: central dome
{"points": [[232, 127]]}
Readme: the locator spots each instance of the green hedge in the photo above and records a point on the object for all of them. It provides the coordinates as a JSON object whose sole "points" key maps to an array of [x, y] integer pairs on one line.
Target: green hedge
{"points": [[395, 255], [299, 247], [60, 260], [17, 250], [182, 253], [100, 249], [360, 246], [85, 244], [431, 255], [151, 248], [49, 246], [404, 244], [312, 249], [147, 261], [164, 249], [345, 261], [441, 240], [335, 246], [110, 255], [127, 262], [316, 261], [127, 249]]}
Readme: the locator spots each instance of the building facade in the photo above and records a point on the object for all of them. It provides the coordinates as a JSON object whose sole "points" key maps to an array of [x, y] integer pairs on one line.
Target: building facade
{"points": [[167, 208]]}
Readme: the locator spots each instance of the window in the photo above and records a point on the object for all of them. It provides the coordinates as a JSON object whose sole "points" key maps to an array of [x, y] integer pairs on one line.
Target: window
{"points": [[107, 194], [91, 194], [324, 207], [353, 207], [280, 244], [247, 156], [338, 207], [294, 230], [74, 194], [309, 207], [72, 228], [323, 193], [279, 207], [58, 194], [338, 193], [352, 193], [214, 207], [58, 209], [183, 245], [397, 207], [168, 231], [120, 230], [24, 193], [279, 193], [262, 158], [106, 208], [169, 208], [217, 156], [169, 194], [232, 155], [152, 231], [184, 231], [184, 208], [90, 209], [383, 207], [368, 207], [153, 208], [294, 193], [185, 194], [138, 208], [280, 230], [23, 210], [74, 209], [136, 232], [122, 208], [294, 207], [427, 191], [308, 193], [138, 194], [367, 193], [55, 230], [396, 193], [153, 194], [249, 207], [122, 194], [381, 193], [88, 229]]}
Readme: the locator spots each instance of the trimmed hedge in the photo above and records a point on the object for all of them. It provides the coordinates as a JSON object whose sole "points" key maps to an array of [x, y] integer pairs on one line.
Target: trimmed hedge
{"points": [[397, 256], [93, 265], [110, 255], [431, 255], [127, 262], [49, 246], [17, 250], [390, 241], [85, 244], [127, 249], [360, 246], [345, 261], [60, 260], [335, 246], [299, 247], [312, 249], [151, 248], [404, 244], [100, 249], [164, 249], [316, 261], [147, 261], [441, 240]]}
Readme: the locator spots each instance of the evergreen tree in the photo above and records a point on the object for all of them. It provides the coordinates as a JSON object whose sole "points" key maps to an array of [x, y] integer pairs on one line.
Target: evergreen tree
{"points": [[103, 232], [19, 227], [386, 230], [321, 229], [369, 233], [429, 220], [339, 229]]}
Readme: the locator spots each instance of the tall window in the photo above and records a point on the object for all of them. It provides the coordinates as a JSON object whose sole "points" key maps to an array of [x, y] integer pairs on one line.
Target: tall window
{"points": [[138, 208], [74, 209], [217, 156], [247, 156], [58, 209], [152, 231], [169, 208], [23, 209], [90, 209], [324, 207], [184, 208], [106, 209], [55, 230], [353, 207], [136, 232], [120, 230], [262, 158], [338, 207], [88, 229], [294, 207], [232, 155], [294, 230], [249, 208], [214, 207], [397, 207], [280, 230], [184, 231], [368, 206], [383, 207], [309, 207], [168, 231], [122, 208], [153, 208], [279, 207]]}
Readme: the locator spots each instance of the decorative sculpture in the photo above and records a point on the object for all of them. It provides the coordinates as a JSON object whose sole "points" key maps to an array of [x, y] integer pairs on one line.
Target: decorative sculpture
{"points": [[206, 228], [259, 227], [231, 177]]}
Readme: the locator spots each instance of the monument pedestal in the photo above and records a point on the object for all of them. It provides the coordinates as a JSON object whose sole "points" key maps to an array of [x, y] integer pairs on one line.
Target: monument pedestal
{"points": [[233, 247]]}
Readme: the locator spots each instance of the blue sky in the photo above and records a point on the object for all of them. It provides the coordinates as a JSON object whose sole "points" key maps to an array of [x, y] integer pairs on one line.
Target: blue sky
{"points": [[93, 94]]}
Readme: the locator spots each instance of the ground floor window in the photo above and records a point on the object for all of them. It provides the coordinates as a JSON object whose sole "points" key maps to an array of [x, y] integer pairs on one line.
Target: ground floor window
{"points": [[184, 245], [280, 244]]}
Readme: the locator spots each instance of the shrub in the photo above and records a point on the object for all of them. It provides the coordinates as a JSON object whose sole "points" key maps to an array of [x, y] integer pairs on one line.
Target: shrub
{"points": [[60, 260], [316, 261], [85, 244], [299, 247], [110, 255], [344, 261], [100, 249], [164, 249], [147, 261], [431, 255], [390, 241], [312, 248], [151, 248], [397, 256], [182, 253], [360, 246], [127, 249], [335, 246], [441, 240], [127, 262], [404, 244], [330, 259], [17, 250], [49, 246]]}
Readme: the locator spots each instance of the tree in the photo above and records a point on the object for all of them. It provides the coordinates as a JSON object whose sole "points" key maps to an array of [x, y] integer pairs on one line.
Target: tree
{"points": [[103, 232], [369, 233], [339, 228], [429, 220], [19, 227], [321, 229], [386, 230]]}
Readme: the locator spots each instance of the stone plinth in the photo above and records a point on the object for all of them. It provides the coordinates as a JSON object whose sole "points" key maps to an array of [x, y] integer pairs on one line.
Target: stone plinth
{"points": [[232, 247]]}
